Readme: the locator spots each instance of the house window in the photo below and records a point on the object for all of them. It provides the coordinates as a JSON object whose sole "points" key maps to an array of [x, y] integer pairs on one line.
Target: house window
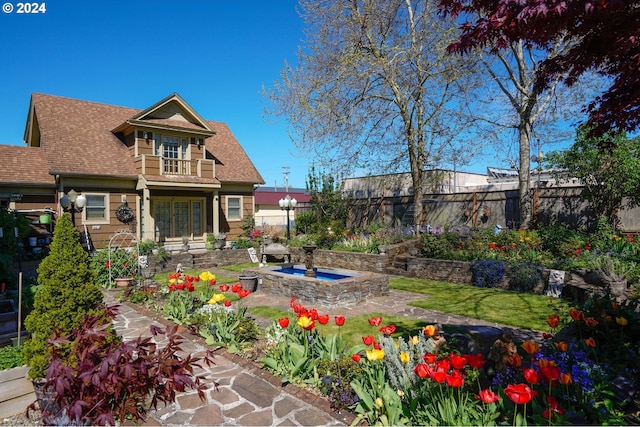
{"points": [[171, 147], [96, 210], [234, 208]]}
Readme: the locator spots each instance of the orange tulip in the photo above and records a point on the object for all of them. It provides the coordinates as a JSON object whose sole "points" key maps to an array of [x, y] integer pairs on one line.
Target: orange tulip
{"points": [[553, 320], [591, 322], [515, 360], [561, 346], [531, 347], [566, 379], [622, 321], [590, 342], [576, 314], [430, 330]]}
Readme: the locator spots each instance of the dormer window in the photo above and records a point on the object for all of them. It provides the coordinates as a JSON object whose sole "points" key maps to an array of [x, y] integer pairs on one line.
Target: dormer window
{"points": [[171, 147], [197, 141]]}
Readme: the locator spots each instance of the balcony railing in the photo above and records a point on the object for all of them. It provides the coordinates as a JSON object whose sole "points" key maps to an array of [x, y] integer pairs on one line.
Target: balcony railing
{"points": [[155, 165], [178, 167]]}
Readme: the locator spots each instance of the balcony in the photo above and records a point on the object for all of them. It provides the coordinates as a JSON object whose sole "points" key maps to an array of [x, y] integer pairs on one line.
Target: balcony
{"points": [[155, 165]]}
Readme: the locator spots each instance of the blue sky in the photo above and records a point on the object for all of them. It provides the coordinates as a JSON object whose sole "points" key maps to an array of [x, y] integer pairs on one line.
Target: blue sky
{"points": [[216, 54]]}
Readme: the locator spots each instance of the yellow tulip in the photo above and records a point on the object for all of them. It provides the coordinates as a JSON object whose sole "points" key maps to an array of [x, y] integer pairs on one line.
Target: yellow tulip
{"points": [[216, 298], [374, 355], [379, 402], [306, 322], [172, 281], [622, 321], [404, 357], [414, 340]]}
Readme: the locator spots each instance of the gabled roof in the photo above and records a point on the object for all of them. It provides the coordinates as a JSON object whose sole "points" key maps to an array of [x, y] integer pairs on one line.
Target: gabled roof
{"points": [[25, 166], [77, 137], [171, 113]]}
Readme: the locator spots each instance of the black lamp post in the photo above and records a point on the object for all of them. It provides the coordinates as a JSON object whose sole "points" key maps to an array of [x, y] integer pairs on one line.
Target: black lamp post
{"points": [[73, 202], [288, 204]]}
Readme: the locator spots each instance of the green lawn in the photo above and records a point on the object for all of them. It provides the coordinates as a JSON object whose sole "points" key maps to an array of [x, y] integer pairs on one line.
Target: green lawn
{"points": [[520, 310]]}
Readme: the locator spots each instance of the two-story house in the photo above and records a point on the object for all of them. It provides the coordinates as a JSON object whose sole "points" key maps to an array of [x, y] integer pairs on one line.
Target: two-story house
{"points": [[182, 176]]}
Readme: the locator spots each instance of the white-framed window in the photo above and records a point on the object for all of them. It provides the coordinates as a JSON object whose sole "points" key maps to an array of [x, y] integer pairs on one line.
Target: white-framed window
{"points": [[97, 209], [234, 208], [171, 146]]}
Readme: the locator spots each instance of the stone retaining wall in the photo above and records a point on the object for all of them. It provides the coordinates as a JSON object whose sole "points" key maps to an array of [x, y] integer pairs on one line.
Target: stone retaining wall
{"points": [[325, 293]]}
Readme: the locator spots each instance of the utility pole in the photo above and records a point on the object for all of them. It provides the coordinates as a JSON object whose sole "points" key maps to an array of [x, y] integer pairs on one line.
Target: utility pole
{"points": [[285, 172]]}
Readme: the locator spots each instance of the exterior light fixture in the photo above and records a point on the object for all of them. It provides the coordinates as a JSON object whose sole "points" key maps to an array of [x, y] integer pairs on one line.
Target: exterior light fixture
{"points": [[74, 203], [288, 204]]}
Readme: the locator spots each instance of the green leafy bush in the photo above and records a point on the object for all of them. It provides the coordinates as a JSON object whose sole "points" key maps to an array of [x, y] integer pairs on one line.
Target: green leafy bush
{"points": [[10, 357], [524, 277]]}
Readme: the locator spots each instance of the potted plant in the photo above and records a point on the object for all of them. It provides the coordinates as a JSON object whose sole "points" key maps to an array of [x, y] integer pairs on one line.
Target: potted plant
{"points": [[210, 241]]}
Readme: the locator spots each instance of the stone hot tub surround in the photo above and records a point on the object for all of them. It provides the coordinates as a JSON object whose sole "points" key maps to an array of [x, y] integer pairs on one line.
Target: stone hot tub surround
{"points": [[355, 287]]}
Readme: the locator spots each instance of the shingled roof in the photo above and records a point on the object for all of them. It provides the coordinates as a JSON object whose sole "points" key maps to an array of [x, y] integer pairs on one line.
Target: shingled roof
{"points": [[76, 138], [24, 166]]}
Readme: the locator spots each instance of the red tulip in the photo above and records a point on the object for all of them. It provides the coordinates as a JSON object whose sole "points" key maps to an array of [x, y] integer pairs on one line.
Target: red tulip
{"points": [[227, 303], [388, 330], [313, 313], [429, 357], [339, 320], [439, 375], [475, 361], [487, 396], [375, 321], [355, 357], [530, 375], [323, 320], [368, 340], [236, 287], [455, 379], [458, 362], [284, 322], [443, 364], [422, 370], [376, 345], [224, 287], [519, 393]]}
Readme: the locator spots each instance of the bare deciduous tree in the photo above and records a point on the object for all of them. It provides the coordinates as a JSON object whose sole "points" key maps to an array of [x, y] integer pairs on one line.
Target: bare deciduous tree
{"points": [[374, 88]]}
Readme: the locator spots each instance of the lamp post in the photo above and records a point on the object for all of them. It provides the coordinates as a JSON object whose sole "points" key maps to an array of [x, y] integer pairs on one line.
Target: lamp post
{"points": [[288, 204], [73, 202]]}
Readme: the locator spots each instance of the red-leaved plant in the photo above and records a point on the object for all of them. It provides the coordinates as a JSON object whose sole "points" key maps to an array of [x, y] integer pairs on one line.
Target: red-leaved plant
{"points": [[105, 379]]}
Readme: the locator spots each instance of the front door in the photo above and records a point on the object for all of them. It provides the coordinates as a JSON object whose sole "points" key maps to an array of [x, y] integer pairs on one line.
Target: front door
{"points": [[176, 218]]}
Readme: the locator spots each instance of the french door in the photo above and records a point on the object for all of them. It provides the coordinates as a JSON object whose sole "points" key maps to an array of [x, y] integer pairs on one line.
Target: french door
{"points": [[176, 217]]}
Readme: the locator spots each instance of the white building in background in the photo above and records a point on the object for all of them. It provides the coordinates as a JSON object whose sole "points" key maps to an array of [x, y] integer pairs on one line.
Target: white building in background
{"points": [[267, 208]]}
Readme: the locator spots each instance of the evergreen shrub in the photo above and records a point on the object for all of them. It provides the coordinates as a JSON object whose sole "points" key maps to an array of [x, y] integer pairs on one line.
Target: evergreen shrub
{"points": [[67, 292]]}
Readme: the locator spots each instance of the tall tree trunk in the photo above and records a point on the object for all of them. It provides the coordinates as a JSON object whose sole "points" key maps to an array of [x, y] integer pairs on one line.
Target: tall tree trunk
{"points": [[524, 179]]}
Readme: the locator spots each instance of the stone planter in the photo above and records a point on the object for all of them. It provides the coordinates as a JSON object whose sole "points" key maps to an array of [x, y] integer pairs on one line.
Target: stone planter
{"points": [[249, 282]]}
